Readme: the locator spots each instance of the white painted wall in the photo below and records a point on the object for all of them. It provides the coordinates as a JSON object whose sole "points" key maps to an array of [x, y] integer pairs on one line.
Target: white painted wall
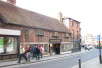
{"points": [[66, 23]]}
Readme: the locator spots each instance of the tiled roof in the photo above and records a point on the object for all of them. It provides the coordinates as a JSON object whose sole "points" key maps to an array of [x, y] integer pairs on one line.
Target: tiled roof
{"points": [[16, 15]]}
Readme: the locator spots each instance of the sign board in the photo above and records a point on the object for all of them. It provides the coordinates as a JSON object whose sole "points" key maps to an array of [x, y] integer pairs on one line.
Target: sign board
{"points": [[55, 40], [10, 32], [98, 38], [26, 33]]}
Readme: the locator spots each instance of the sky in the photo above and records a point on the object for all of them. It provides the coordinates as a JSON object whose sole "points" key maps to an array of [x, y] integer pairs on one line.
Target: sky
{"points": [[88, 12]]}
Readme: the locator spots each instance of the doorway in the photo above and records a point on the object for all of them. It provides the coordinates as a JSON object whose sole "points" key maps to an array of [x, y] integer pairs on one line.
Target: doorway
{"points": [[56, 48]]}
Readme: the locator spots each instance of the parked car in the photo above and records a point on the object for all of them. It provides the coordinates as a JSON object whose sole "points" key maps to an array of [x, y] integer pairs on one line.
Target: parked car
{"points": [[88, 46]]}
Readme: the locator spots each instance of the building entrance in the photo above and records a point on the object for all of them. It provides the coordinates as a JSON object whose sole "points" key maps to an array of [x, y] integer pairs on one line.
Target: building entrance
{"points": [[56, 48]]}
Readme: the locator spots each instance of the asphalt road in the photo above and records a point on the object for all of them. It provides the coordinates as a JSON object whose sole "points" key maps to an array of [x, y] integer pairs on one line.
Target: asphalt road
{"points": [[68, 62]]}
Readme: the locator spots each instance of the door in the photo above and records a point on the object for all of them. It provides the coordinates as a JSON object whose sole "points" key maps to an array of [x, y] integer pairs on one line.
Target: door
{"points": [[57, 48]]}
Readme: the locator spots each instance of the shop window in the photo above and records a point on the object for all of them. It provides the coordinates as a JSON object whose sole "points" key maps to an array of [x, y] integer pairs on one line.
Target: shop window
{"points": [[1, 45], [45, 47], [62, 47], [8, 45], [66, 46]]}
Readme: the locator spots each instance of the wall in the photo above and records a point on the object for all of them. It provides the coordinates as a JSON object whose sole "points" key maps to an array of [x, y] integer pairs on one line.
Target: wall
{"points": [[75, 28], [32, 39]]}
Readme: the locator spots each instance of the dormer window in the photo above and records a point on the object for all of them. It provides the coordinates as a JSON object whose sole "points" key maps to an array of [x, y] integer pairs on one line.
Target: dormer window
{"points": [[39, 32], [55, 34]]}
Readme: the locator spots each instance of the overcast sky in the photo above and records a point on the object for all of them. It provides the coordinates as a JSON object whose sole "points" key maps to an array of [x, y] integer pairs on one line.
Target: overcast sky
{"points": [[88, 12]]}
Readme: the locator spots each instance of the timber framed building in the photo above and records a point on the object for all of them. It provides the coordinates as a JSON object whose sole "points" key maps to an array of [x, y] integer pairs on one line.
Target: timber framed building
{"points": [[23, 27]]}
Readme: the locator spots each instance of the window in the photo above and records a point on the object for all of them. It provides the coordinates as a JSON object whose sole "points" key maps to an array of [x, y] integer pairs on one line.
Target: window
{"points": [[55, 34], [72, 23], [66, 35], [39, 32], [77, 34], [45, 47], [63, 47], [76, 25], [72, 33], [8, 45], [1, 45]]}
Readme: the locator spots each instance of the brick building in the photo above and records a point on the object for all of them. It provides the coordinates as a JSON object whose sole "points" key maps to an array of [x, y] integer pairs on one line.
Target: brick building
{"points": [[20, 26], [74, 27]]}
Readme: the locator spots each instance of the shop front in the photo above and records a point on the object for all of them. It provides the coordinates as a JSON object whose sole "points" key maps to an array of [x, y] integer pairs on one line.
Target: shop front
{"points": [[9, 43], [54, 47]]}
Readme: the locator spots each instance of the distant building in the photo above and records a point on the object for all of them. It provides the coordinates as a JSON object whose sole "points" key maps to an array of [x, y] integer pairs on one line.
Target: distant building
{"points": [[90, 39]]}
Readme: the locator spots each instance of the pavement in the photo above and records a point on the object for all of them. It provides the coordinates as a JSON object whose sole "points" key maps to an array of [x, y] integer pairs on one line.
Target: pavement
{"points": [[94, 63]]}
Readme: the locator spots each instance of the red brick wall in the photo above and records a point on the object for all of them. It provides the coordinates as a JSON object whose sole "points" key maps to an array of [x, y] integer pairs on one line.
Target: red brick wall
{"points": [[75, 28], [33, 38], [47, 35]]}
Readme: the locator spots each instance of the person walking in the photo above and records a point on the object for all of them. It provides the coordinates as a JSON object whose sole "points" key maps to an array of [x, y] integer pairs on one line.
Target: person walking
{"points": [[88, 47], [42, 51], [40, 47], [37, 53], [34, 52], [28, 52], [22, 53], [31, 50]]}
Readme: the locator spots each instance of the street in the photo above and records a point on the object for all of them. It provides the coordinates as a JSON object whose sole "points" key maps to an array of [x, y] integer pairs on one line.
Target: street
{"points": [[67, 62]]}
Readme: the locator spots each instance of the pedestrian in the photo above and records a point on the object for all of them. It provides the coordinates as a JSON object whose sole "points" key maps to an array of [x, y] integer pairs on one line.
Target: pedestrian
{"points": [[37, 53], [85, 47], [34, 51], [88, 47], [40, 47], [28, 52], [42, 50], [31, 50], [22, 53]]}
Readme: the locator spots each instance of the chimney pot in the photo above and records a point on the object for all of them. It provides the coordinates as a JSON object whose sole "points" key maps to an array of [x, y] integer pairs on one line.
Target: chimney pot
{"points": [[13, 2], [60, 17]]}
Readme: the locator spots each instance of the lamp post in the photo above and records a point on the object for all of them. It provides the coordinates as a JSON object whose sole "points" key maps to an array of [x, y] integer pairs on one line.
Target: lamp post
{"points": [[98, 39]]}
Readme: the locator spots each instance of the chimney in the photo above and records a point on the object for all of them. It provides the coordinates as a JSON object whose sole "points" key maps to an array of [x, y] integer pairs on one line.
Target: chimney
{"points": [[13, 2], [60, 17]]}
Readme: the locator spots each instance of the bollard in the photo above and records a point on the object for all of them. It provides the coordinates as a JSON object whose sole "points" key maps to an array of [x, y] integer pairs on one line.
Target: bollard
{"points": [[79, 62], [100, 59]]}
